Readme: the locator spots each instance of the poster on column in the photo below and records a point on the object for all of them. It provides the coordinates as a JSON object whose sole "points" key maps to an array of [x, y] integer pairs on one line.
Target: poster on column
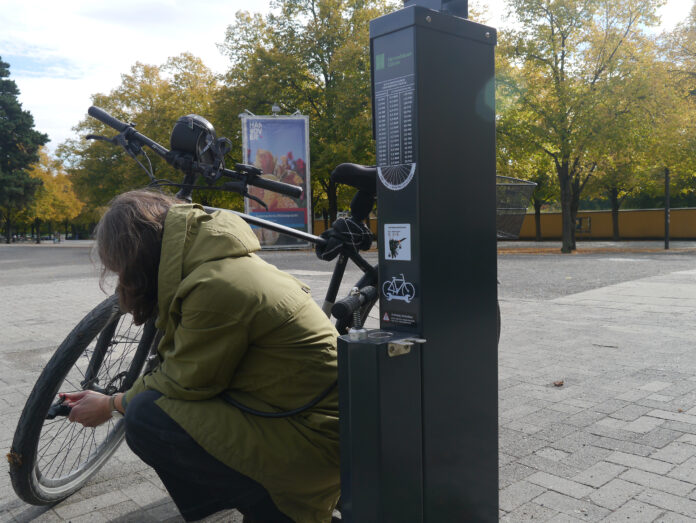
{"points": [[279, 146]]}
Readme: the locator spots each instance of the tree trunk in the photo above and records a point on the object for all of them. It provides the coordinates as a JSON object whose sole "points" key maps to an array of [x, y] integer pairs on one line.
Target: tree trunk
{"points": [[568, 220], [537, 219], [615, 204], [8, 228], [37, 226], [574, 205]]}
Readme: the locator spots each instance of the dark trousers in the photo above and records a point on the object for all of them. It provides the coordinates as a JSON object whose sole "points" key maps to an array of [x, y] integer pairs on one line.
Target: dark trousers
{"points": [[198, 483]]}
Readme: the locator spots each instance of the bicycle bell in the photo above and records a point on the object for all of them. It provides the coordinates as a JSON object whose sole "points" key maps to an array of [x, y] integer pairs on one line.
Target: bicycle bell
{"points": [[193, 134]]}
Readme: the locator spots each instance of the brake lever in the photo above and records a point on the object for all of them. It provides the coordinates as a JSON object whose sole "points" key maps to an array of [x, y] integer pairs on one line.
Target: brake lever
{"points": [[258, 200], [241, 188], [132, 148]]}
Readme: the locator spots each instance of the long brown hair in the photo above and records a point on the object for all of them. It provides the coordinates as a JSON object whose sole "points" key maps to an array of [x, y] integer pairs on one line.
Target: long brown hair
{"points": [[128, 243]]}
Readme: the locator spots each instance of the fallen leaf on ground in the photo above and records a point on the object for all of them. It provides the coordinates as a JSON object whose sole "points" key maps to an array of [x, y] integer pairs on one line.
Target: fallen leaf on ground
{"points": [[558, 383]]}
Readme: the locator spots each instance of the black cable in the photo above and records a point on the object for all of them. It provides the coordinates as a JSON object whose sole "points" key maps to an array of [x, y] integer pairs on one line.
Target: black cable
{"points": [[149, 173], [225, 396]]}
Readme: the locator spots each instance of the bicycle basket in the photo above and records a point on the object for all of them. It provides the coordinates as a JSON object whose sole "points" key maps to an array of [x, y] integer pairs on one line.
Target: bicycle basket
{"points": [[512, 195]]}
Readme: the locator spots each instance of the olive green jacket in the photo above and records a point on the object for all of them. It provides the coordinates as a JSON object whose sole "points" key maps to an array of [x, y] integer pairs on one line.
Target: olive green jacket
{"points": [[233, 322]]}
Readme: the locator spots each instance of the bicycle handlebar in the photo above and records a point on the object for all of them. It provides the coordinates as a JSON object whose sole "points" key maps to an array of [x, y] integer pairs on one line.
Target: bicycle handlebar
{"points": [[104, 117], [176, 161]]}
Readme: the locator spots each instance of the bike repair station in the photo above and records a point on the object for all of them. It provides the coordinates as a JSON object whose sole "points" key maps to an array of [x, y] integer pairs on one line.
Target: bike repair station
{"points": [[418, 397]]}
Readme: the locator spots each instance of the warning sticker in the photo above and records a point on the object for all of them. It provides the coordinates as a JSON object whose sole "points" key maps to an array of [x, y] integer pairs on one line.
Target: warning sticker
{"points": [[397, 238], [400, 318]]}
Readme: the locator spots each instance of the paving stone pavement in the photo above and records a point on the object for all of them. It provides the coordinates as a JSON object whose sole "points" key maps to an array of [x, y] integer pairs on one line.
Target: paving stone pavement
{"points": [[616, 442]]}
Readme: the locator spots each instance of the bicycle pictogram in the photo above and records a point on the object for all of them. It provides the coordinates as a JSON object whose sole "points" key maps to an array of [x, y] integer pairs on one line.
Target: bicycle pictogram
{"points": [[398, 289]]}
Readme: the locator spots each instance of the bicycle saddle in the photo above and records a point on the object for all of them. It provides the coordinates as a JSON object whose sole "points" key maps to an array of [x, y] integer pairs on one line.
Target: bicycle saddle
{"points": [[361, 177]]}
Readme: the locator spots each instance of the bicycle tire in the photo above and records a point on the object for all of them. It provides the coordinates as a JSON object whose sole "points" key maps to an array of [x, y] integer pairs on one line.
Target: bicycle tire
{"points": [[38, 476], [342, 325]]}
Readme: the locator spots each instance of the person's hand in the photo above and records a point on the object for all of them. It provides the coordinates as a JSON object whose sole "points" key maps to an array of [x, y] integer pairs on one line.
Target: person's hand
{"points": [[88, 407]]}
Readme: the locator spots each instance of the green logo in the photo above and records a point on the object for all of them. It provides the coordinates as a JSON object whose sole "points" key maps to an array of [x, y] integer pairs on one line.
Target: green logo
{"points": [[379, 62]]}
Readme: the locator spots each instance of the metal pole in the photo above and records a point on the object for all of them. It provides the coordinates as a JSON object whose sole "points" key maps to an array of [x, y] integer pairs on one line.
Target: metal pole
{"points": [[666, 208]]}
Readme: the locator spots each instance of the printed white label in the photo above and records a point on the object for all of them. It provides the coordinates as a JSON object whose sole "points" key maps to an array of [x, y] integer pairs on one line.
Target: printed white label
{"points": [[397, 239]]}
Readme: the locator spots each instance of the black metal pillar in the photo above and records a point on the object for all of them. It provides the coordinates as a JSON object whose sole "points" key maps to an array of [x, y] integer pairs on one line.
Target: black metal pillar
{"points": [[434, 118], [434, 124]]}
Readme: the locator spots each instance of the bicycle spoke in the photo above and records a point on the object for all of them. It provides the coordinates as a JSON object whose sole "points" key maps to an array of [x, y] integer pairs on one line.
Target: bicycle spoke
{"points": [[73, 386], [40, 451], [71, 443], [60, 449], [79, 454], [48, 444]]}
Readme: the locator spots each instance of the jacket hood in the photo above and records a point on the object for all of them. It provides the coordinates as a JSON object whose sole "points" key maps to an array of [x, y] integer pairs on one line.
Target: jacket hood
{"points": [[193, 237]]}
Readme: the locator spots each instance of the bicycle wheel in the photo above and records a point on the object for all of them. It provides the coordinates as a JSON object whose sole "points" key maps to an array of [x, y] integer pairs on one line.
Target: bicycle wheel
{"points": [[343, 325], [51, 457]]}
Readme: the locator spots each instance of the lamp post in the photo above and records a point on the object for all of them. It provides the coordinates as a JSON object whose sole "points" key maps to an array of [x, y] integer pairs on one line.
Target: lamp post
{"points": [[666, 208]]}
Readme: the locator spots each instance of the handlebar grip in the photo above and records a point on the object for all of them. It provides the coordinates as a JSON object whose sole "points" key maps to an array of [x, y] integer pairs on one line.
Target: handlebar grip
{"points": [[294, 191], [345, 307], [104, 117]]}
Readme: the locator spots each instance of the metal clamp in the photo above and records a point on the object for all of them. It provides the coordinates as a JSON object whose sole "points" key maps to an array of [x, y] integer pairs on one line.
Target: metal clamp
{"points": [[402, 346]]}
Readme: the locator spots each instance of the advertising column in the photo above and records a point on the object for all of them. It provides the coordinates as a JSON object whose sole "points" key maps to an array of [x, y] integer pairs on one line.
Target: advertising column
{"points": [[279, 146]]}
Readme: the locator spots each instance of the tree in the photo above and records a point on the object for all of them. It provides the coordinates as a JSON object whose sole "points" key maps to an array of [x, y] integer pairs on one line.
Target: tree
{"points": [[681, 50], [562, 61], [625, 153], [673, 118], [55, 201], [19, 144], [311, 56], [153, 97]]}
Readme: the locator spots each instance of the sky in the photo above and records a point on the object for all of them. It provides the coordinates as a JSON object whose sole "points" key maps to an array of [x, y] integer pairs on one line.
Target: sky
{"points": [[61, 52]]}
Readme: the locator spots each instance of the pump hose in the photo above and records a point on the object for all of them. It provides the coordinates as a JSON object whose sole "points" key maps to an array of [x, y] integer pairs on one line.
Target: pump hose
{"points": [[284, 414]]}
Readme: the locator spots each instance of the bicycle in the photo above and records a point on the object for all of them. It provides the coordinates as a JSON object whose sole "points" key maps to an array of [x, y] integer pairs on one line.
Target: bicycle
{"points": [[51, 458]]}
